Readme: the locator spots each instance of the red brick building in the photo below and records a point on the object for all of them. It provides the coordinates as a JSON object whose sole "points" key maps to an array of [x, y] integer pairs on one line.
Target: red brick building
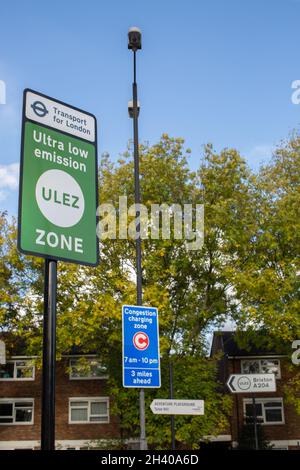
{"points": [[83, 414], [83, 405], [280, 423]]}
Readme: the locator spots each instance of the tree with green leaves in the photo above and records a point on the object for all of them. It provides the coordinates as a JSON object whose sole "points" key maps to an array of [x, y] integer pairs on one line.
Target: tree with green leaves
{"points": [[268, 283], [194, 290]]}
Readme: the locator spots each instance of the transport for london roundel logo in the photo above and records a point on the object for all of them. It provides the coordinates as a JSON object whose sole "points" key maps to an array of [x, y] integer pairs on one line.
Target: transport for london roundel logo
{"points": [[141, 341]]}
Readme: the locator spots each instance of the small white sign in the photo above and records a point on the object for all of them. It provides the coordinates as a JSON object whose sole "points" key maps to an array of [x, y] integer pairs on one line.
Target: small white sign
{"points": [[2, 352], [251, 383], [59, 116], [177, 407]]}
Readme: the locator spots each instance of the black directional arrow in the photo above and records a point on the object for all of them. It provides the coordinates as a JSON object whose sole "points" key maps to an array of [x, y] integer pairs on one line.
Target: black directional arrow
{"points": [[230, 383]]}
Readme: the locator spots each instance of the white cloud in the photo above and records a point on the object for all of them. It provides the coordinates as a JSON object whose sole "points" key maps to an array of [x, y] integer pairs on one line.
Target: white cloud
{"points": [[2, 92], [9, 179], [3, 195], [9, 118]]}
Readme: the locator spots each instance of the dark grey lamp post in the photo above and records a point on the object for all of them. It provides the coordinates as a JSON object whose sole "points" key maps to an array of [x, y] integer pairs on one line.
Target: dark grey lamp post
{"points": [[135, 43]]}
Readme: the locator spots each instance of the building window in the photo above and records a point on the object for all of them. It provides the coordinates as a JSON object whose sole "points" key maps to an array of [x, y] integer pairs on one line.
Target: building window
{"points": [[86, 368], [261, 366], [17, 370], [268, 410], [16, 411], [89, 410]]}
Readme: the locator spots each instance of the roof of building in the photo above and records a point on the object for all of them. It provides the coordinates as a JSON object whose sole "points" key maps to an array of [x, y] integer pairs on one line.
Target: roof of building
{"points": [[235, 344], [17, 346]]}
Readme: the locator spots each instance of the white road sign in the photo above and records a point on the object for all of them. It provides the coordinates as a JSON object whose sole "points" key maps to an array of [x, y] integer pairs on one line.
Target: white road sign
{"points": [[2, 352], [59, 116], [177, 407], [251, 383]]}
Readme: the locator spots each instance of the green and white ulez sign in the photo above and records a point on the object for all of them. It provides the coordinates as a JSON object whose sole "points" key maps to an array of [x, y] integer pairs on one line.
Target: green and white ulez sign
{"points": [[58, 181]]}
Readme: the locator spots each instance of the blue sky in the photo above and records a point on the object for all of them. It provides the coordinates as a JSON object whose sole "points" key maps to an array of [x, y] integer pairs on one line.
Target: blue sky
{"points": [[215, 71]]}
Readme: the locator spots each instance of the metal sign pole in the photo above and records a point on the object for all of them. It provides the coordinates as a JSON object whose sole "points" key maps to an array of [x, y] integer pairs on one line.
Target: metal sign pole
{"points": [[171, 397], [255, 423], [143, 441], [134, 43], [49, 356]]}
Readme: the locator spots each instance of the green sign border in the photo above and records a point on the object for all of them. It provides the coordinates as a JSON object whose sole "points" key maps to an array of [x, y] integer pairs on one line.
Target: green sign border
{"points": [[24, 120]]}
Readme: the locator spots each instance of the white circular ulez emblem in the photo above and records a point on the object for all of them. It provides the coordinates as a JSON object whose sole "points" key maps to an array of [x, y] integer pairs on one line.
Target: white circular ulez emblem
{"points": [[59, 198], [244, 383]]}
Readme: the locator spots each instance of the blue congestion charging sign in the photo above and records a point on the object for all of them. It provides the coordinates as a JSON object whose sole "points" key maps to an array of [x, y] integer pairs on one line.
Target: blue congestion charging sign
{"points": [[141, 360]]}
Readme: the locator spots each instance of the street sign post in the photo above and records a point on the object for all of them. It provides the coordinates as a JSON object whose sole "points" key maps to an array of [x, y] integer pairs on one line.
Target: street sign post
{"points": [[58, 197], [251, 383], [58, 181], [141, 360], [177, 407]]}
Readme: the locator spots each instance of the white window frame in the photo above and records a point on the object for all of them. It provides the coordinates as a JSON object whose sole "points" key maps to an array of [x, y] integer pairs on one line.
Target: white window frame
{"points": [[261, 401], [89, 400], [15, 378], [90, 358], [13, 401], [259, 360]]}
